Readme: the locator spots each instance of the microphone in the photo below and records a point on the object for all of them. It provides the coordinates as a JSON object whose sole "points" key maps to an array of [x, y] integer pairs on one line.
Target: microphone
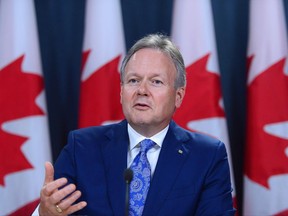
{"points": [[128, 176]]}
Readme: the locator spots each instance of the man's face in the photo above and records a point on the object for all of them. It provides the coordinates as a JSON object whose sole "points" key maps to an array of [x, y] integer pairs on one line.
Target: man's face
{"points": [[148, 96]]}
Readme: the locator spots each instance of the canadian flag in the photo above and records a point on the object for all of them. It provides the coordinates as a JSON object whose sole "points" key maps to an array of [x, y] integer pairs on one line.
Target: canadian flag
{"points": [[202, 109], [103, 51], [266, 158], [24, 138]]}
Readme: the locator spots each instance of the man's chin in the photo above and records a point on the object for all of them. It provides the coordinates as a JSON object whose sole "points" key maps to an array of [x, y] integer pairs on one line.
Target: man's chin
{"points": [[140, 122]]}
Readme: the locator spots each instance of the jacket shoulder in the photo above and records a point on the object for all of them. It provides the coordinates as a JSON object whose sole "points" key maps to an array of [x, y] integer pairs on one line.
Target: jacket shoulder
{"points": [[195, 138], [98, 132]]}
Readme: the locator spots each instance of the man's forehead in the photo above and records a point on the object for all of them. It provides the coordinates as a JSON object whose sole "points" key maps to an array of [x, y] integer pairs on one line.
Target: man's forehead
{"points": [[146, 49]]}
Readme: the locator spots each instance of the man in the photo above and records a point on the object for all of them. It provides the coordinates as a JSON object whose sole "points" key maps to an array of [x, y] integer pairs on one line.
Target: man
{"points": [[186, 173]]}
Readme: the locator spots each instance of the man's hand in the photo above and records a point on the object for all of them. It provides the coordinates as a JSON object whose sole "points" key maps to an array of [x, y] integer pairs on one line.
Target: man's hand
{"points": [[55, 201]]}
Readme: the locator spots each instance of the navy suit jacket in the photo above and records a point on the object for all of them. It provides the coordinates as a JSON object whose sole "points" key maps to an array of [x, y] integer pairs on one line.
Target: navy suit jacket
{"points": [[191, 177]]}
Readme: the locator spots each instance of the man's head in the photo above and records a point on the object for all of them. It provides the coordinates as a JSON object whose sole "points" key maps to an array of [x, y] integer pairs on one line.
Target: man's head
{"points": [[165, 45], [153, 81]]}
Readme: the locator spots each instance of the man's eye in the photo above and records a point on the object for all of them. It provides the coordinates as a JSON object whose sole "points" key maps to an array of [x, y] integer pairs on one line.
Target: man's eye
{"points": [[157, 82], [132, 81]]}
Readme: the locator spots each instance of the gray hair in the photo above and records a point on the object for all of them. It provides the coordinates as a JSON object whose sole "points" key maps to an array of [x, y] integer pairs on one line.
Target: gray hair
{"points": [[166, 46]]}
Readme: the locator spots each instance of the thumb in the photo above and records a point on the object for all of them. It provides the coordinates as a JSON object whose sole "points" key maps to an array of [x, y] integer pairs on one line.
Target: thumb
{"points": [[49, 173]]}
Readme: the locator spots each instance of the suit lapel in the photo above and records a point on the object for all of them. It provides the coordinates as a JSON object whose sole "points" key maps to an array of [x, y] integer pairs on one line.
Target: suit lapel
{"points": [[172, 156], [115, 162]]}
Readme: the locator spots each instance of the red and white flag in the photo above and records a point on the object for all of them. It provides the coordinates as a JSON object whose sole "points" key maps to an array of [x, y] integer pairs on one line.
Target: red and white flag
{"points": [[103, 51], [266, 158], [24, 137], [202, 109]]}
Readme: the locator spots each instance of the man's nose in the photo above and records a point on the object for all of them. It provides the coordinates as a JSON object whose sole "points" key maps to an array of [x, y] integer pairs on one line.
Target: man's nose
{"points": [[143, 88]]}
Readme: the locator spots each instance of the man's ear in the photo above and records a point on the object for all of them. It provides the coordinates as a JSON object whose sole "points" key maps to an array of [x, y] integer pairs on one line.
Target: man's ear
{"points": [[180, 93]]}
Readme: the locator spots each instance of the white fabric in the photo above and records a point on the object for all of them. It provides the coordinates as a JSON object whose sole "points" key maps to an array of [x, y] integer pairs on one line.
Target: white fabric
{"points": [[134, 147], [103, 35]]}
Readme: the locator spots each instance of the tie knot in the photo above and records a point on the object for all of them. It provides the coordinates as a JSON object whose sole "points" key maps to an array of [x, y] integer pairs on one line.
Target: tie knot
{"points": [[146, 144]]}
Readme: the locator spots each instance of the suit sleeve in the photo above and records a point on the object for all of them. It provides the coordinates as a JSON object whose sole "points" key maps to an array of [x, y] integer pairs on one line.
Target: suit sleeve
{"points": [[81, 163], [216, 195], [65, 163]]}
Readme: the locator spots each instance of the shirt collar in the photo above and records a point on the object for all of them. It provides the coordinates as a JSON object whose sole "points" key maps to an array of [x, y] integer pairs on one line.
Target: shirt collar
{"points": [[135, 138]]}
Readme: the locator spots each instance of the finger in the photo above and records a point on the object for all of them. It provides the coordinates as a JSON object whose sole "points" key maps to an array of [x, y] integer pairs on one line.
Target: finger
{"points": [[49, 173], [76, 207], [67, 202], [56, 197], [53, 186]]}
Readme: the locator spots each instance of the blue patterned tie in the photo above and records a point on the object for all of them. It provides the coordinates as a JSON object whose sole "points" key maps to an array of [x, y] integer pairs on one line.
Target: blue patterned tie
{"points": [[141, 179]]}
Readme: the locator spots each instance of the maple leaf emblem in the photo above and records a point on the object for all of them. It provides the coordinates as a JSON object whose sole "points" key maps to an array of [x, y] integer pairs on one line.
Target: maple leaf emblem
{"points": [[203, 94], [17, 100], [100, 94], [267, 105]]}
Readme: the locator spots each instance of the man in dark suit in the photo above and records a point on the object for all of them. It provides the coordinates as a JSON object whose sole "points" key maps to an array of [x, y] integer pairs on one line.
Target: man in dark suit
{"points": [[180, 173]]}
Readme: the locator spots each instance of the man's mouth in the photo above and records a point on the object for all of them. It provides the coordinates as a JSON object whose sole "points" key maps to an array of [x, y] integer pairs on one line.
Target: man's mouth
{"points": [[141, 106]]}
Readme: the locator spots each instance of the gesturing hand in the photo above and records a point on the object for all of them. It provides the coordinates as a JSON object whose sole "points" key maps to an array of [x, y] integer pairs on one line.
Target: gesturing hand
{"points": [[55, 201]]}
